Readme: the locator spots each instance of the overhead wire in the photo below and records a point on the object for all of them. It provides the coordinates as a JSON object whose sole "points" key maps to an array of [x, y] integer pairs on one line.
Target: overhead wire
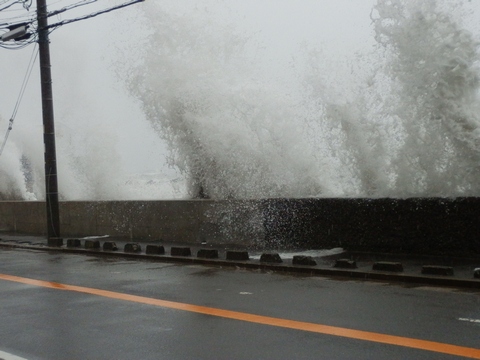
{"points": [[8, 24], [26, 4], [33, 58], [10, 5], [13, 20], [64, 22], [20, 44], [69, 7], [31, 21]]}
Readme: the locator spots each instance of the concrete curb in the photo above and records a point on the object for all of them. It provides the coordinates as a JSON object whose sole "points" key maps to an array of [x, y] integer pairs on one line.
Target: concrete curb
{"points": [[437, 270], [95, 249], [387, 266]]}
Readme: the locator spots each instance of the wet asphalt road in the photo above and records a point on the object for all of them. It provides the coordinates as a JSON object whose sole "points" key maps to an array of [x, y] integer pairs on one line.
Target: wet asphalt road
{"points": [[38, 322]]}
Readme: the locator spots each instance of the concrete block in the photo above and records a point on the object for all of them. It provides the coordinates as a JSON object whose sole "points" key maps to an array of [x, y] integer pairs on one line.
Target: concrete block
{"points": [[303, 260], [437, 270], [92, 244], [237, 255], [110, 246], [207, 253], [388, 266], [271, 257], [132, 248], [55, 241], [155, 250], [476, 273], [180, 251], [345, 264], [74, 243]]}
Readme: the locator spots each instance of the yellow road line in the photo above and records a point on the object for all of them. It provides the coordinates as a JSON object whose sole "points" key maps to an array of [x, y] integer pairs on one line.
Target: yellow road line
{"points": [[265, 320]]}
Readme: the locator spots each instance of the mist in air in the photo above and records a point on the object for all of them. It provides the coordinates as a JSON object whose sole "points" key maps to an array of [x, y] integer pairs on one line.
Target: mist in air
{"points": [[225, 99]]}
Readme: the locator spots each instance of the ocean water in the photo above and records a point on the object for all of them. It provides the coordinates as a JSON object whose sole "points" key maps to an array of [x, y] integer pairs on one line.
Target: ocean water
{"points": [[225, 100]]}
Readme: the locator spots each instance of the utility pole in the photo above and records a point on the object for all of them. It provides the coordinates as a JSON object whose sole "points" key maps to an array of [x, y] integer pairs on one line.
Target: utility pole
{"points": [[51, 182]]}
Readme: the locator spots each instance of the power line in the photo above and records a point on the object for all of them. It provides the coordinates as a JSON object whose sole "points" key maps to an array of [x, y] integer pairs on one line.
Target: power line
{"points": [[26, 4], [31, 22], [12, 23], [10, 5], [69, 7], [33, 58], [16, 19], [19, 19], [64, 22], [10, 125], [30, 5]]}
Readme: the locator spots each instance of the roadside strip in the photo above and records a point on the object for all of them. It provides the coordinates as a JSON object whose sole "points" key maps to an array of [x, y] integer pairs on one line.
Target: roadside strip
{"points": [[356, 274]]}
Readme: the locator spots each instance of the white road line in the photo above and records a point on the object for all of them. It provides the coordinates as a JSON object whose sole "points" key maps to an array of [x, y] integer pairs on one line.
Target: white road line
{"points": [[7, 356], [470, 320]]}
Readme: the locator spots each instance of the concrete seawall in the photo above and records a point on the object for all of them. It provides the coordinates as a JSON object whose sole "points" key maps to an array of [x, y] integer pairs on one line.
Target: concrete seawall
{"points": [[189, 221], [436, 226], [431, 226]]}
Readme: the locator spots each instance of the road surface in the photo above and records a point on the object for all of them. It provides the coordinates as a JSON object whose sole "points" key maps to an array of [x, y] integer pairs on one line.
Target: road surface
{"points": [[66, 306]]}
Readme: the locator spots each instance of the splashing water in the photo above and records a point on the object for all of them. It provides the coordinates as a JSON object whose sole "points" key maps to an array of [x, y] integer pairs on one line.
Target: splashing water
{"points": [[434, 98], [404, 121], [413, 131], [230, 132]]}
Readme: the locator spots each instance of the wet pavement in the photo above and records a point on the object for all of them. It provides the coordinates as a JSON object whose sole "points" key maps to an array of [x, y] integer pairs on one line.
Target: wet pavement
{"points": [[61, 305]]}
